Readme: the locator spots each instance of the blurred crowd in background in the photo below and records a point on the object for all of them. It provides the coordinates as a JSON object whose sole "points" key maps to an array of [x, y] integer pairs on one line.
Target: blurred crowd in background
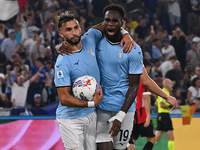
{"points": [[168, 32]]}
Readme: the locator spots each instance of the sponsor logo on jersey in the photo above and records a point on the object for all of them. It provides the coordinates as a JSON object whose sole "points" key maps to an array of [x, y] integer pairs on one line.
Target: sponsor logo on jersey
{"points": [[60, 74], [76, 63]]}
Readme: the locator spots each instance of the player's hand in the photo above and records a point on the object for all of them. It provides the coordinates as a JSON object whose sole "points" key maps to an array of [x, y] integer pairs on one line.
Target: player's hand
{"points": [[63, 48], [116, 125], [98, 95], [117, 120], [128, 43], [172, 100], [147, 122]]}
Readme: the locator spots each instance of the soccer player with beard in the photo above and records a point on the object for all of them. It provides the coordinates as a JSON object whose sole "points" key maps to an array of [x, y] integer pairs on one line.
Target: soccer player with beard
{"points": [[120, 75], [76, 118]]}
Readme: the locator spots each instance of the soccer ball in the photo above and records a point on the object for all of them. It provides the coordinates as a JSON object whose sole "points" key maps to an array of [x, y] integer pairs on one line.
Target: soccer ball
{"points": [[84, 88]]}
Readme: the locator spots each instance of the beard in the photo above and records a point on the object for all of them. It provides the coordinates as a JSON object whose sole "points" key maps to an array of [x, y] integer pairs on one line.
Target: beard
{"points": [[70, 41], [114, 37]]}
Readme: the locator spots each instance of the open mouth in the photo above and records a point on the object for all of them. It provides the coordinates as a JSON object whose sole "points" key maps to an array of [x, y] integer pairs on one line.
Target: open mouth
{"points": [[110, 32]]}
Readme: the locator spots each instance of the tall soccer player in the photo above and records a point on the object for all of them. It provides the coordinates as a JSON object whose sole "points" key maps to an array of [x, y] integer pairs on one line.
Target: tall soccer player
{"points": [[119, 79], [120, 76]]}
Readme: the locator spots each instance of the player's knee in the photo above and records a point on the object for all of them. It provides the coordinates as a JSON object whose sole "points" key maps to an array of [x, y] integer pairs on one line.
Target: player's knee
{"points": [[171, 139], [152, 140], [157, 139], [170, 135]]}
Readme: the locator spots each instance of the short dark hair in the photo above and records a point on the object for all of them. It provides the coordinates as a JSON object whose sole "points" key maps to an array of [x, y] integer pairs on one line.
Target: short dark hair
{"points": [[64, 17], [49, 62], [115, 7], [40, 59]]}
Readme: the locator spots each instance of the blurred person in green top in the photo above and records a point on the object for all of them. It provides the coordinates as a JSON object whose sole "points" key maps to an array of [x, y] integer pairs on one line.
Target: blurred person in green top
{"points": [[164, 122]]}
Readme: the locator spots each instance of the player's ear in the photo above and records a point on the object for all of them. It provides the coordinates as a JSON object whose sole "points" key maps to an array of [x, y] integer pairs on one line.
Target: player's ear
{"points": [[60, 33]]}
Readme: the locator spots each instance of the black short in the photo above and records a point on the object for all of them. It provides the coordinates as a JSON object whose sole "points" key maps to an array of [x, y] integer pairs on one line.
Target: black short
{"points": [[140, 130], [164, 122]]}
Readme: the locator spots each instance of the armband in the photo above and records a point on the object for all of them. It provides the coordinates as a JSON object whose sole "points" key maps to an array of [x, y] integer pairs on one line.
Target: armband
{"points": [[123, 31], [119, 116], [91, 104]]}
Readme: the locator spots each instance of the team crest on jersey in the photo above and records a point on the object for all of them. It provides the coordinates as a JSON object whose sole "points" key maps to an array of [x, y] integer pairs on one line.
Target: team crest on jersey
{"points": [[120, 53], [90, 51], [60, 74]]}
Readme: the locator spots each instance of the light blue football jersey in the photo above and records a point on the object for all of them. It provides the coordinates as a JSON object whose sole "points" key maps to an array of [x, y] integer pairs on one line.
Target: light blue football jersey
{"points": [[69, 67], [115, 67]]}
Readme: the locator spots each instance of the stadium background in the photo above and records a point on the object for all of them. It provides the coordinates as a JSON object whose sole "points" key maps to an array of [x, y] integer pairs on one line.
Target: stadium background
{"points": [[29, 132]]}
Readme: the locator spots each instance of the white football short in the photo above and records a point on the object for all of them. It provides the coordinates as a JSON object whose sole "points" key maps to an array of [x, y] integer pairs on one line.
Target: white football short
{"points": [[78, 133], [122, 139]]}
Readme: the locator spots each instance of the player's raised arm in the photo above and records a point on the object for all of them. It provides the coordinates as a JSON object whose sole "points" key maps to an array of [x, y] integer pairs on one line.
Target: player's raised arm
{"points": [[126, 40]]}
